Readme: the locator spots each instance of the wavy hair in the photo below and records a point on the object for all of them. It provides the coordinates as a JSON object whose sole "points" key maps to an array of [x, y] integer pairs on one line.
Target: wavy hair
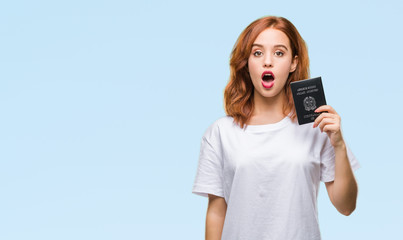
{"points": [[238, 94]]}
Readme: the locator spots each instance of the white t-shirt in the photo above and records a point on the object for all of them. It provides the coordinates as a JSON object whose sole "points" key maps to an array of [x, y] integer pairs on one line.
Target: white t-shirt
{"points": [[269, 177]]}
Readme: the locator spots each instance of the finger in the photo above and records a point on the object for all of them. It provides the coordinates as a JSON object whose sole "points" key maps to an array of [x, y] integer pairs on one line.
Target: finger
{"points": [[322, 116], [327, 121], [327, 108], [323, 108], [331, 128]]}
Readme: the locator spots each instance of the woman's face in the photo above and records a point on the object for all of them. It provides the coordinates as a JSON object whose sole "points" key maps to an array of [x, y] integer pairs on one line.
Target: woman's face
{"points": [[270, 62]]}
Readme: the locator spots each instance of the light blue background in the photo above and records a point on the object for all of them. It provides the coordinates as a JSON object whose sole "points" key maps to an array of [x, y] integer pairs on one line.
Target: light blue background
{"points": [[103, 105]]}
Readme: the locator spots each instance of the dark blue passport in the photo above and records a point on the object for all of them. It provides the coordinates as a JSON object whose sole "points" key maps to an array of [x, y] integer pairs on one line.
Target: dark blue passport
{"points": [[308, 96]]}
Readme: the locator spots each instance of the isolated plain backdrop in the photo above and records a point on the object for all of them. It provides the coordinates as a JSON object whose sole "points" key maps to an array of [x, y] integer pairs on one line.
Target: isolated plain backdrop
{"points": [[103, 105]]}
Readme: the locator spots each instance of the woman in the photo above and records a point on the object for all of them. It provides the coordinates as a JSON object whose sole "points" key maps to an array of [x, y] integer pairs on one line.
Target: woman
{"points": [[258, 167]]}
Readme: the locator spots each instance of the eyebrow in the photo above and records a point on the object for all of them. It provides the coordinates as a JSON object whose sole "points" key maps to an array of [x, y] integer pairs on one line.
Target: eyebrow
{"points": [[278, 45]]}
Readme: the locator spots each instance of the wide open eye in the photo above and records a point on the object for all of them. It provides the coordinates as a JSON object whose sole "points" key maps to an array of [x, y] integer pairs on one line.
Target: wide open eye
{"points": [[278, 53], [257, 53]]}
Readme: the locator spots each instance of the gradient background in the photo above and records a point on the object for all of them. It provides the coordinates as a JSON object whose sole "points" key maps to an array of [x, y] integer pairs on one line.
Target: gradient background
{"points": [[103, 105]]}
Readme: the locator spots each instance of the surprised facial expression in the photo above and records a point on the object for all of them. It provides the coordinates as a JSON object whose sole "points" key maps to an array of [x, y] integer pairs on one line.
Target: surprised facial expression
{"points": [[270, 62]]}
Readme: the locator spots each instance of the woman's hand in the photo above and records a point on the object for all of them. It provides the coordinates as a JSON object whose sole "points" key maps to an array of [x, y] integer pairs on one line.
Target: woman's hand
{"points": [[329, 122]]}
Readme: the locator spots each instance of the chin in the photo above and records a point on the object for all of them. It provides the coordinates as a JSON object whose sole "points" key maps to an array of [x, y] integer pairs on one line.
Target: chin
{"points": [[269, 93]]}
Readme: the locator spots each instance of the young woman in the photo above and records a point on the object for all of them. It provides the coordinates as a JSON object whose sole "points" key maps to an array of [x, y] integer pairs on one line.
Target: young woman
{"points": [[259, 168]]}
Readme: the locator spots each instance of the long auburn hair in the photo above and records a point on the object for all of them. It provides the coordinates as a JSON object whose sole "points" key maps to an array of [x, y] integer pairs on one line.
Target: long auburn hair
{"points": [[238, 94]]}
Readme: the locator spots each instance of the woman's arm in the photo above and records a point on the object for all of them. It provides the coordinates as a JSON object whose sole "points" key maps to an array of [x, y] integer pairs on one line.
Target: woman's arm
{"points": [[216, 210], [343, 190]]}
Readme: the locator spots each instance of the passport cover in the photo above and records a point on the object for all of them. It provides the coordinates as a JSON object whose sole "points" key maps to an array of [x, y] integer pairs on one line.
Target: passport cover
{"points": [[308, 95]]}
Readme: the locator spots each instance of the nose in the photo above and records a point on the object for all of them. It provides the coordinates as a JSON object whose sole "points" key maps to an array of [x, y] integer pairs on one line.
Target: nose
{"points": [[268, 61]]}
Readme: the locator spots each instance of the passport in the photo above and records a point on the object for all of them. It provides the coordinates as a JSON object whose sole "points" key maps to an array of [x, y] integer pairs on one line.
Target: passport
{"points": [[308, 96]]}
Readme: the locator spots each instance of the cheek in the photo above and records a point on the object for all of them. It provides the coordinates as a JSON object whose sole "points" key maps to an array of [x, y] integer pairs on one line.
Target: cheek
{"points": [[253, 67], [286, 67]]}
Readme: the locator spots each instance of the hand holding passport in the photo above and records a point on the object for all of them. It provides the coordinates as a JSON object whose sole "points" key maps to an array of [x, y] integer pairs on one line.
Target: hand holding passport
{"points": [[308, 96]]}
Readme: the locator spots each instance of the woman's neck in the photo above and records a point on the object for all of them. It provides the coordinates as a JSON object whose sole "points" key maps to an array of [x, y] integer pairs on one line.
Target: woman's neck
{"points": [[268, 110]]}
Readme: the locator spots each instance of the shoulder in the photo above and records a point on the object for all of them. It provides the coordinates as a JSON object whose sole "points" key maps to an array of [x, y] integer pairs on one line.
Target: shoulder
{"points": [[219, 126]]}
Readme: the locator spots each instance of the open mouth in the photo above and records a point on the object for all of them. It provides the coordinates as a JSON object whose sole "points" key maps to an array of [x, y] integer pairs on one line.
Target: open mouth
{"points": [[267, 76], [267, 79]]}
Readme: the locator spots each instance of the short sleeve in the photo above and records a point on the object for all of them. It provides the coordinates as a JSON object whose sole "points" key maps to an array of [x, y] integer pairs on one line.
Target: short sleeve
{"points": [[209, 176], [327, 165]]}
